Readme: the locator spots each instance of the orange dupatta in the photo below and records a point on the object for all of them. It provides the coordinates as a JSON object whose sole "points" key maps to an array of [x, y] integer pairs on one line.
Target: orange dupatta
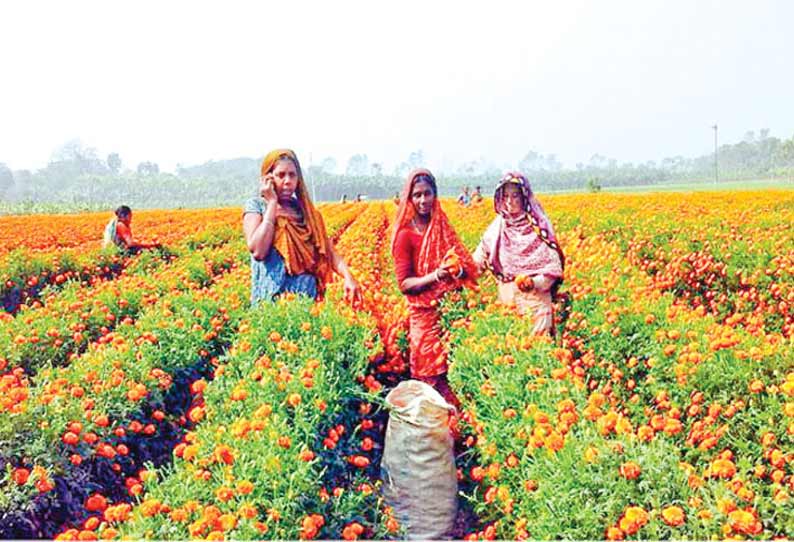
{"points": [[304, 246]]}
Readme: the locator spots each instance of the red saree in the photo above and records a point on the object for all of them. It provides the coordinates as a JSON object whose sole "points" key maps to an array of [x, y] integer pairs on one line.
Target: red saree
{"points": [[426, 252]]}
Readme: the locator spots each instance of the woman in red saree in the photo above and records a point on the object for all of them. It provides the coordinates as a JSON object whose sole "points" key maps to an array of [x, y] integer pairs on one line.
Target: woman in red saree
{"points": [[429, 260]]}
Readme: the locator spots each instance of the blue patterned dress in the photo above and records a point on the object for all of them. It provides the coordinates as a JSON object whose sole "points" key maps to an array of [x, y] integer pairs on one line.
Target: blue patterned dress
{"points": [[269, 277]]}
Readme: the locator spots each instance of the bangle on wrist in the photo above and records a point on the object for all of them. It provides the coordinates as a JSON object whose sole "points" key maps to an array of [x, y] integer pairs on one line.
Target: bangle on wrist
{"points": [[436, 275]]}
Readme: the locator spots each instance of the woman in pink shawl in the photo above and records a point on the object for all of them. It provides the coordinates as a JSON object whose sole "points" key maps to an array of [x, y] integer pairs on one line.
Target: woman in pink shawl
{"points": [[521, 250]]}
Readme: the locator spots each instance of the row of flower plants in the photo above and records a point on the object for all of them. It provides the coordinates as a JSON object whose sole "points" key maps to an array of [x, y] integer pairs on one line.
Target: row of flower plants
{"points": [[75, 233], [662, 409], [114, 407], [27, 271], [650, 416], [284, 446], [289, 434], [91, 309], [69, 319], [26, 276], [124, 435], [729, 254], [339, 217]]}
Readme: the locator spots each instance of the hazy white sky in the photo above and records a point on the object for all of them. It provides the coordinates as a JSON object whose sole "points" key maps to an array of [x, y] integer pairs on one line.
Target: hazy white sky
{"points": [[185, 82]]}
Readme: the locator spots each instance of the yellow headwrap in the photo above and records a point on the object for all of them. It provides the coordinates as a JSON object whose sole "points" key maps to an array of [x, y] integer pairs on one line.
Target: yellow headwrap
{"points": [[304, 246]]}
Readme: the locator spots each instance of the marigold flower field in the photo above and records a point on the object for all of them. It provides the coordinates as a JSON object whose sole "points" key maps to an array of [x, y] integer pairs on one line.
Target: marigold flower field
{"points": [[143, 397]]}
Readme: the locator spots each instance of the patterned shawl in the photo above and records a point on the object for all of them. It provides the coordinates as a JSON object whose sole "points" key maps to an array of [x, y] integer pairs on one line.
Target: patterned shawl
{"points": [[525, 244]]}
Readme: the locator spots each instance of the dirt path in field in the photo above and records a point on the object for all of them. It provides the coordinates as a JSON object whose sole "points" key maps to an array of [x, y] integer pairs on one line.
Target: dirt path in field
{"points": [[365, 246]]}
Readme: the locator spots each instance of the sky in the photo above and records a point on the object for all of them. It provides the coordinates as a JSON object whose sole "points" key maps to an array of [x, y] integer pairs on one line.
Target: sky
{"points": [[186, 82]]}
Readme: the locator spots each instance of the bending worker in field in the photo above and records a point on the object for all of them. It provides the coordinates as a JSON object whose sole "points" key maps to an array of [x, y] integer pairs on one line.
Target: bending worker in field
{"points": [[521, 249], [290, 250], [429, 260], [118, 232]]}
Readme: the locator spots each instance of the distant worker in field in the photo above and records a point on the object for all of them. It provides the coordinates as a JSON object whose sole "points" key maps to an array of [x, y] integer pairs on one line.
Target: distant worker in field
{"points": [[429, 261], [464, 198], [358, 198], [476, 196], [521, 249], [344, 199], [290, 250], [118, 232], [396, 198]]}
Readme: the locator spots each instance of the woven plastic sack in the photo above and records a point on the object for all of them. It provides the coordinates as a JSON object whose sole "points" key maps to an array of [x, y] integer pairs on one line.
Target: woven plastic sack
{"points": [[418, 467]]}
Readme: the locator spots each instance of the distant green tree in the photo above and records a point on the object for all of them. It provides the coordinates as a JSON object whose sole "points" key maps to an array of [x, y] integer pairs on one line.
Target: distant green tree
{"points": [[114, 163], [148, 168], [328, 165], [402, 169], [593, 184], [530, 162], [73, 156], [358, 165], [6, 180], [416, 159]]}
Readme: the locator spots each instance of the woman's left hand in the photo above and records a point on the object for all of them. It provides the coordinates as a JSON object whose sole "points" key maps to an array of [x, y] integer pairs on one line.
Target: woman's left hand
{"points": [[352, 292]]}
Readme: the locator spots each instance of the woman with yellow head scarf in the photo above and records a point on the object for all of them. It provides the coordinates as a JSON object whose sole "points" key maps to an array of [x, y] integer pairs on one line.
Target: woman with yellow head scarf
{"points": [[290, 250]]}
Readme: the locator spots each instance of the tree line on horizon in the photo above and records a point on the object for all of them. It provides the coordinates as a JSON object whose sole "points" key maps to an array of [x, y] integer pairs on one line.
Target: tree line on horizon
{"points": [[76, 175]]}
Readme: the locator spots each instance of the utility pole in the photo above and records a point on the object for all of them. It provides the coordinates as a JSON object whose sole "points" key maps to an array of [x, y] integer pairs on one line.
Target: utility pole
{"points": [[716, 166]]}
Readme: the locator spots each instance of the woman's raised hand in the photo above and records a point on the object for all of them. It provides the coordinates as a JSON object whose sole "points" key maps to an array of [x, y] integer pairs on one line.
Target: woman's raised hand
{"points": [[267, 188]]}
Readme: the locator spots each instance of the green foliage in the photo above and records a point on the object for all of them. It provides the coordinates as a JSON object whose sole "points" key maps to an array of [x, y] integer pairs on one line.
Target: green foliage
{"points": [[593, 184], [77, 179], [257, 365]]}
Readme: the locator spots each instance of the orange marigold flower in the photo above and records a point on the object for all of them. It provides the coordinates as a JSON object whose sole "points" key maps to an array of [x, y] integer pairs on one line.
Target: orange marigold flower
{"points": [[744, 521], [352, 531], [634, 518], [756, 386], [20, 476], [630, 470], [150, 507], [224, 494], [723, 468], [227, 522], [247, 511], [591, 454], [674, 516], [223, 454], [96, 503], [244, 487]]}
